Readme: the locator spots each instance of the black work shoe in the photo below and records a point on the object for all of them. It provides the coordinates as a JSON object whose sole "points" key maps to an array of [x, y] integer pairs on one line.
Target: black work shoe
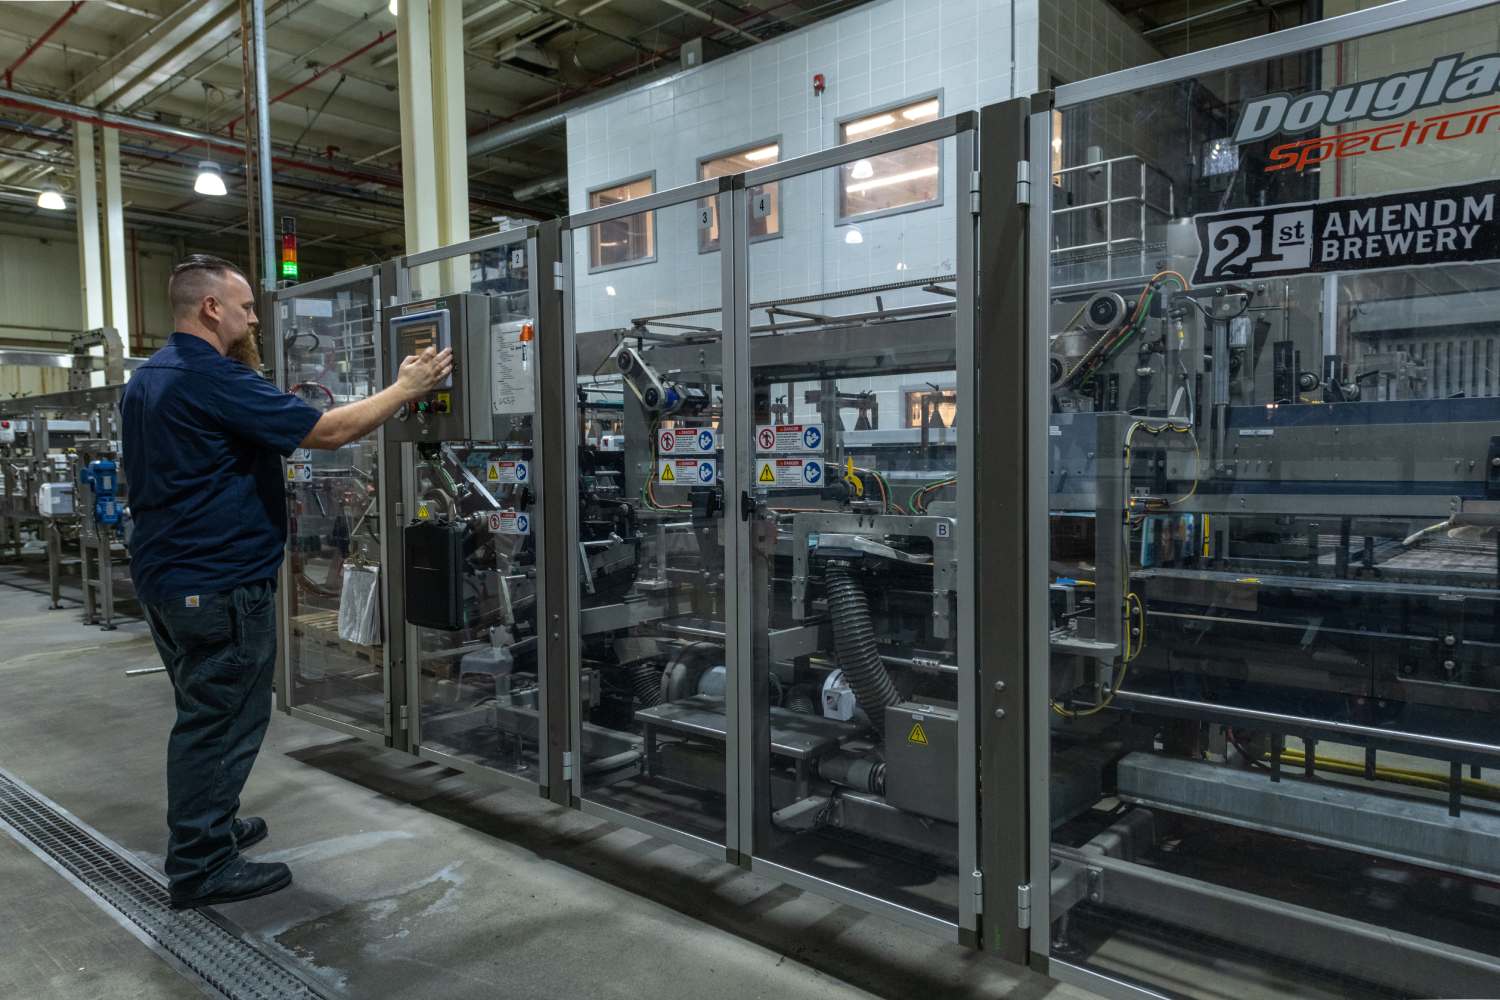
{"points": [[241, 880], [249, 832]]}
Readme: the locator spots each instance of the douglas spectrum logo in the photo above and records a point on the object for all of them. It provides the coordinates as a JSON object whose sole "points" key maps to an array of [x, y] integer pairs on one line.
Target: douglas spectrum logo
{"points": [[1445, 81]]}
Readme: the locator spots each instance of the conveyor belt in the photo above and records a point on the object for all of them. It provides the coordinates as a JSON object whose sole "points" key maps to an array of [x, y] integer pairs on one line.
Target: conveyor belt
{"points": [[198, 943]]}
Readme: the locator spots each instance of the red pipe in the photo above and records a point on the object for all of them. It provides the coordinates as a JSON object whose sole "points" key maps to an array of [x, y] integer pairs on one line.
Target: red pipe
{"points": [[239, 152], [220, 143], [42, 40], [316, 76]]}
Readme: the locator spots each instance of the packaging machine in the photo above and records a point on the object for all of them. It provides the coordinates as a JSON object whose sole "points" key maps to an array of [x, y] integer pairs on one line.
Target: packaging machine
{"points": [[1119, 611], [1273, 573], [62, 488]]}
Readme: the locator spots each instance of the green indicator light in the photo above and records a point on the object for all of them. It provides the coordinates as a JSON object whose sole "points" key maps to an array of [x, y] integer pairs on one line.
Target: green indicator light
{"points": [[289, 269]]}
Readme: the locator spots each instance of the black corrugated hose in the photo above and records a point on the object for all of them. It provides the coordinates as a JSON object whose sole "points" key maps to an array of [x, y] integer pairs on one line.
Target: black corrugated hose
{"points": [[646, 679], [854, 644]]}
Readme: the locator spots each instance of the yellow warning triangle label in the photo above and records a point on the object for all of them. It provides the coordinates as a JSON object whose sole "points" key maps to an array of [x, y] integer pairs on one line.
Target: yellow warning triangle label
{"points": [[494, 473], [666, 473], [766, 475], [918, 735], [291, 473]]}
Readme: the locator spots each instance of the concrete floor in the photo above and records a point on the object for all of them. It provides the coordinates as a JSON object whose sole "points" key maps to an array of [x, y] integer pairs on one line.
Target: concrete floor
{"points": [[410, 880]]}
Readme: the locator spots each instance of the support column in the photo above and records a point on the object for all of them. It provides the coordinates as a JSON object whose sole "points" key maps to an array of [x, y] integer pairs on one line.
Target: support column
{"points": [[116, 285], [418, 162], [451, 134], [90, 266]]}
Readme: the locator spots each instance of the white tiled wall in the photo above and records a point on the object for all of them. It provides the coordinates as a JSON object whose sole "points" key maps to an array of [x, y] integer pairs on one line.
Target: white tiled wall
{"points": [[876, 55]]}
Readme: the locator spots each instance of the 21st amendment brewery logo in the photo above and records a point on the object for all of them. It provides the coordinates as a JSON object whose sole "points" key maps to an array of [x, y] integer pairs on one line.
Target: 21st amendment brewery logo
{"points": [[1449, 79], [1459, 224]]}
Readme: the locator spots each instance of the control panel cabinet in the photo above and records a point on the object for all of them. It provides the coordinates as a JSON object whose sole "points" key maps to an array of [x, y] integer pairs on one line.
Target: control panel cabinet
{"points": [[462, 407]]}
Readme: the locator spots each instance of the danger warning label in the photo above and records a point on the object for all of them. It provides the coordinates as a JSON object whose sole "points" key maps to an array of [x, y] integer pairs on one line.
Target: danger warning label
{"points": [[789, 438], [786, 473], [687, 441], [507, 473], [299, 472], [688, 471], [917, 736], [509, 522]]}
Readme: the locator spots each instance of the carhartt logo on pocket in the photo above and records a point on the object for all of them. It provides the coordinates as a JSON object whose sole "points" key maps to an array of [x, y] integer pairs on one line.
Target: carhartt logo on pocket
{"points": [[191, 602]]}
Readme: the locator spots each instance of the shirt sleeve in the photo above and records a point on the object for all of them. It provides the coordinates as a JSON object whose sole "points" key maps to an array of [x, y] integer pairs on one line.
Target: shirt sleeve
{"points": [[257, 411]]}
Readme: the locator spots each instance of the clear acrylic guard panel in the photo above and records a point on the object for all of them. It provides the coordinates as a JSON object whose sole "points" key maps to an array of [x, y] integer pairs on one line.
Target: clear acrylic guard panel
{"points": [[479, 687], [856, 416], [652, 677], [335, 652], [1273, 475]]}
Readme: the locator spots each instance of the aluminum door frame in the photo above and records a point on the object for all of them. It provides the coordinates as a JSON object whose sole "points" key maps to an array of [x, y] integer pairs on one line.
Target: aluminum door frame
{"points": [[284, 700], [719, 188], [963, 128], [1304, 38], [410, 668]]}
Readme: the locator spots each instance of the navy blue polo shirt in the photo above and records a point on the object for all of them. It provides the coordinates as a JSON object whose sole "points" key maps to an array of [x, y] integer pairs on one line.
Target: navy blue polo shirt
{"points": [[203, 441]]}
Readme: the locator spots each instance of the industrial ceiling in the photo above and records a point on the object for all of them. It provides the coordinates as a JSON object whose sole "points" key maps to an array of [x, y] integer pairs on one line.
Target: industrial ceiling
{"points": [[179, 65]]}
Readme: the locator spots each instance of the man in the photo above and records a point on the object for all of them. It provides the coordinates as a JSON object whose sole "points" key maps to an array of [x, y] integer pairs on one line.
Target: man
{"points": [[204, 436]]}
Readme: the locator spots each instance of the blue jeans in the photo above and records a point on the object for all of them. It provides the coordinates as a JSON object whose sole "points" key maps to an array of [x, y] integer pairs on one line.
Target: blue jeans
{"points": [[220, 651]]}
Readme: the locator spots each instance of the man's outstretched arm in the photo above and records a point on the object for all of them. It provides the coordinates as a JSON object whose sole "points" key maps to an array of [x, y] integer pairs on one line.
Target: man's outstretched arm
{"points": [[419, 375]]}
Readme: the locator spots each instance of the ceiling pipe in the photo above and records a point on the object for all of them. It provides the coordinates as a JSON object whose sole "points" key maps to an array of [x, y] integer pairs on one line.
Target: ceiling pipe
{"points": [[704, 15], [545, 186], [67, 15], [520, 129], [324, 71], [109, 119]]}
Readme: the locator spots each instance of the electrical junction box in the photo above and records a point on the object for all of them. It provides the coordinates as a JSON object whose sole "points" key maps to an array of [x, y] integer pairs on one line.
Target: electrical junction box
{"points": [[434, 580], [55, 499], [921, 760], [494, 369]]}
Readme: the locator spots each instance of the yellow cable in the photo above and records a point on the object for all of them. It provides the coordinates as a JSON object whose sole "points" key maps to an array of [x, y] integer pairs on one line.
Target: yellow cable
{"points": [[1421, 779], [1132, 652]]}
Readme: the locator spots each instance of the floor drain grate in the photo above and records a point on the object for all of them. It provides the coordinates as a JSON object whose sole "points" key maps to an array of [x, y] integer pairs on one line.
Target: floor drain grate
{"points": [[195, 941]]}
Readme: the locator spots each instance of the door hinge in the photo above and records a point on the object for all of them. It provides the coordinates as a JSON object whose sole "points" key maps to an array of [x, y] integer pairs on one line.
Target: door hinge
{"points": [[403, 716], [559, 276], [568, 765], [978, 891], [1023, 906], [974, 193], [1023, 182]]}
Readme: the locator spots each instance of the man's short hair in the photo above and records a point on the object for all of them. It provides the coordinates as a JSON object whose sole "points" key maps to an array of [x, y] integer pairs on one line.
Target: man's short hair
{"points": [[195, 278]]}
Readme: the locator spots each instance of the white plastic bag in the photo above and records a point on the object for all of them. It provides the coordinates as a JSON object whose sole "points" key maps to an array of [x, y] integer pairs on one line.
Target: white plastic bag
{"points": [[359, 605]]}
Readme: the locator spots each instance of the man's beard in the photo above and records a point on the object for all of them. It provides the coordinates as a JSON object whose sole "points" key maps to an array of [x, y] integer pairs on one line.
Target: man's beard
{"points": [[246, 351]]}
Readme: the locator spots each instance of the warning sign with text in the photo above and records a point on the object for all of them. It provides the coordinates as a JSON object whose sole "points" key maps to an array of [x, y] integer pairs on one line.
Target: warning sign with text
{"points": [[687, 441], [781, 439], [507, 473], [1451, 225], [687, 471], [510, 522], [788, 472]]}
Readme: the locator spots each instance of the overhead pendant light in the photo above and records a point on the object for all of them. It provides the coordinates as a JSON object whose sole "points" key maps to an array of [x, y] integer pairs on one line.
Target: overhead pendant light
{"points": [[210, 180], [51, 198], [393, 7], [862, 170]]}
